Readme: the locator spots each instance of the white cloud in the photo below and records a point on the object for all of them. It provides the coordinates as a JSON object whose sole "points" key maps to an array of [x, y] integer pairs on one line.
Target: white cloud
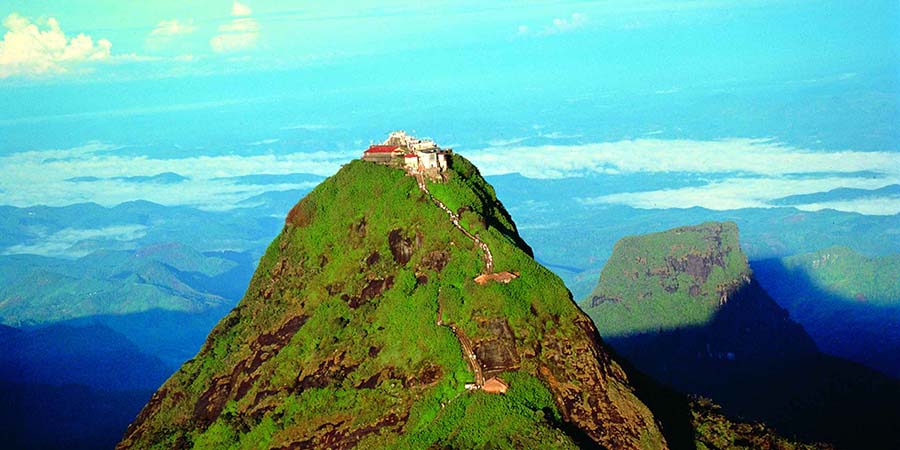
{"points": [[239, 9], [753, 156], [869, 206], [749, 172], [240, 34], [746, 173], [736, 193], [504, 142], [38, 177], [173, 27], [66, 242], [28, 50], [264, 142], [555, 135], [245, 25]]}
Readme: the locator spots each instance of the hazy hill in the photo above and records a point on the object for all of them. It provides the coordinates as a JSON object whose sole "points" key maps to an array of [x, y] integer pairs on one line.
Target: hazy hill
{"points": [[36, 290], [849, 303]]}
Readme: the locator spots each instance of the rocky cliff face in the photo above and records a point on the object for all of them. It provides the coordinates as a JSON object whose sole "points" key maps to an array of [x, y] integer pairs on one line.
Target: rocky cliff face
{"points": [[683, 306], [364, 327]]}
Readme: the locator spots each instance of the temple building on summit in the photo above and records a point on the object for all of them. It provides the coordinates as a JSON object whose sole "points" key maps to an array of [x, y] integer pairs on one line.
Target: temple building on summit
{"points": [[417, 156]]}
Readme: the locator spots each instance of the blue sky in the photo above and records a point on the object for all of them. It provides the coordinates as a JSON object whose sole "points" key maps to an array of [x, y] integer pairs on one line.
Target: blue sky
{"points": [[112, 89], [649, 41]]}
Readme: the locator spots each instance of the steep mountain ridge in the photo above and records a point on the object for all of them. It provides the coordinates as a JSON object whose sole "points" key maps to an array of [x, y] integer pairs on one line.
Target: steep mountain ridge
{"points": [[362, 324], [683, 306]]}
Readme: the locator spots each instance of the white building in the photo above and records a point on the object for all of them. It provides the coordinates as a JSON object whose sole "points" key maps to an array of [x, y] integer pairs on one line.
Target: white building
{"points": [[411, 161], [421, 154]]}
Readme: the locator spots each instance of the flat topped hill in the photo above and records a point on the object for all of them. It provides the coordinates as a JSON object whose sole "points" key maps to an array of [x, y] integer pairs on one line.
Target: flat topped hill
{"points": [[669, 279], [363, 326]]}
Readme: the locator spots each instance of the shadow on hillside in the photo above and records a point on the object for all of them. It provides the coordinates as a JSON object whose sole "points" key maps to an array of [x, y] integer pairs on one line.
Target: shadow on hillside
{"points": [[845, 327], [42, 406], [172, 336], [760, 366], [65, 417]]}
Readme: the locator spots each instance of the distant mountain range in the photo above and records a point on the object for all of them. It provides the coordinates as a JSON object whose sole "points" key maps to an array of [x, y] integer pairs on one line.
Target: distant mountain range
{"points": [[77, 230], [160, 178], [839, 195], [36, 290]]}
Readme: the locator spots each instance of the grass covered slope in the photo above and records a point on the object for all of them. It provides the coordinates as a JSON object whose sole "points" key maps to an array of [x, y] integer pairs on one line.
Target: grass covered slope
{"points": [[668, 280], [842, 272], [337, 342]]}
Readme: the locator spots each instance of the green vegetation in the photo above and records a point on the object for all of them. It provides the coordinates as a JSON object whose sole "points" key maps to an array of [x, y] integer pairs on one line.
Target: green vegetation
{"points": [[338, 338], [714, 431], [667, 280], [525, 417], [842, 272]]}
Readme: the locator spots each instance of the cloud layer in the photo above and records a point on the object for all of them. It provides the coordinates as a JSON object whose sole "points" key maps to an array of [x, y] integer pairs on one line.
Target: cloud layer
{"points": [[70, 242], [747, 173], [42, 48], [741, 173], [45, 177]]}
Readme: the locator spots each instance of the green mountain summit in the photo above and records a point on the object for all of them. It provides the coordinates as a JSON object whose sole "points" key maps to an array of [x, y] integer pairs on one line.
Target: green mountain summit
{"points": [[399, 311]]}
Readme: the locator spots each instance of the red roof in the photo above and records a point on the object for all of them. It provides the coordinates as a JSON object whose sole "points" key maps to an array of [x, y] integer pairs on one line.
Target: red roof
{"points": [[382, 149], [410, 155]]}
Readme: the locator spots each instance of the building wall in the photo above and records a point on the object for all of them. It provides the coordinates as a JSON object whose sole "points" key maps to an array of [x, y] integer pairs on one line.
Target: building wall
{"points": [[429, 160], [378, 157]]}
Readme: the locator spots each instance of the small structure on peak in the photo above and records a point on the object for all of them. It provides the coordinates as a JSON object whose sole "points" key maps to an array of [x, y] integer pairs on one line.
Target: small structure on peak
{"points": [[381, 153], [500, 277], [417, 156], [495, 385]]}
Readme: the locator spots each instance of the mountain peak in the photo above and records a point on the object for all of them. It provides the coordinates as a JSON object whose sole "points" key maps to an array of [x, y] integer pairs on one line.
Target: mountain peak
{"points": [[364, 325]]}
